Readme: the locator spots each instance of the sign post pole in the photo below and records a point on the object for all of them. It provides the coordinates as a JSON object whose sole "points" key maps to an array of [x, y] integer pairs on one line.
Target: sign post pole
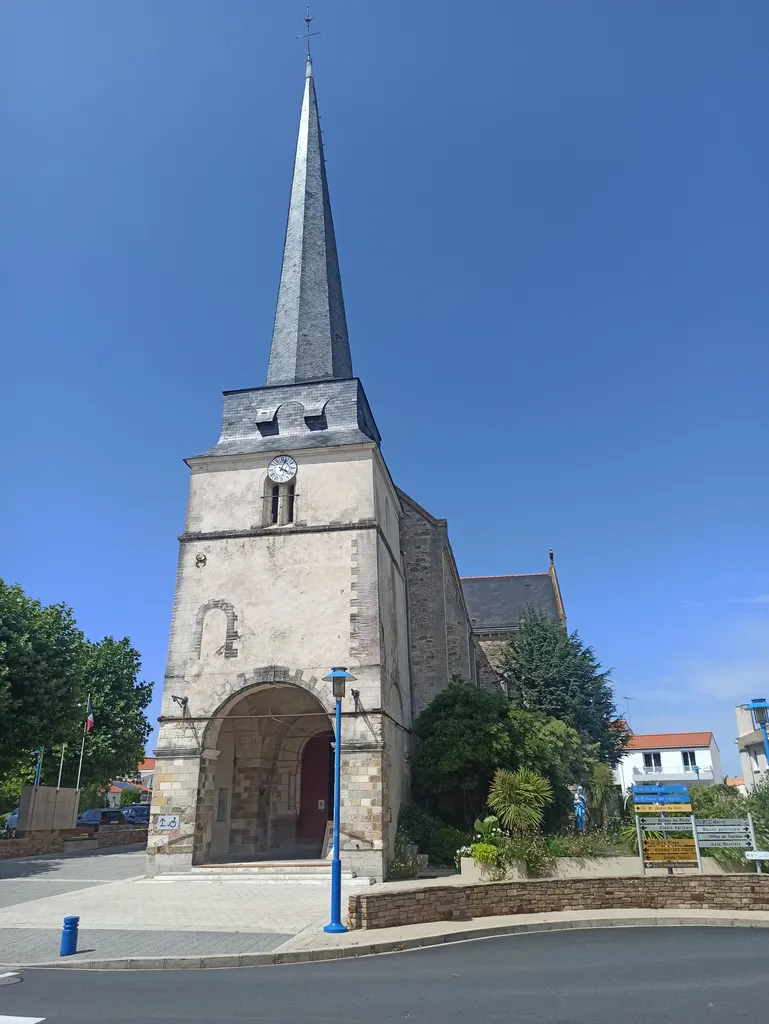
{"points": [[753, 839], [696, 843], [639, 834]]}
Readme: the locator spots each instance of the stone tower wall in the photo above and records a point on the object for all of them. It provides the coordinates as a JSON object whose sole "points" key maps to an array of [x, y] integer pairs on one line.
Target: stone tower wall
{"points": [[255, 604]]}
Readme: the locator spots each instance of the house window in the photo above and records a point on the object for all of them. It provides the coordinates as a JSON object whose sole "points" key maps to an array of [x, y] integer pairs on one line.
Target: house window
{"points": [[690, 758], [275, 509], [653, 762]]}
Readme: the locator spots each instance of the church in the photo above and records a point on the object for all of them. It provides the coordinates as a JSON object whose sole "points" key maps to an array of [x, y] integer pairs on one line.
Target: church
{"points": [[300, 553]]}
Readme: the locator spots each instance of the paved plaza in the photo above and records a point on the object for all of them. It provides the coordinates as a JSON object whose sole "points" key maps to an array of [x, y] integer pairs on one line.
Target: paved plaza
{"points": [[124, 914]]}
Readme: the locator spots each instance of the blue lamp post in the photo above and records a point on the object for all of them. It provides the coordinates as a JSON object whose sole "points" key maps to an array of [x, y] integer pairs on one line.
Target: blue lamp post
{"points": [[759, 708], [337, 677]]}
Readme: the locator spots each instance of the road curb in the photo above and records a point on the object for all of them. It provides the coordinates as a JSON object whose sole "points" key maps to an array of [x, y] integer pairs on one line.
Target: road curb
{"points": [[224, 961]]}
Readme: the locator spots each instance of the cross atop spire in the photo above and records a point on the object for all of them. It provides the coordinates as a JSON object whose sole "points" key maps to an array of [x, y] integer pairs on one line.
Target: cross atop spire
{"points": [[307, 34], [309, 340]]}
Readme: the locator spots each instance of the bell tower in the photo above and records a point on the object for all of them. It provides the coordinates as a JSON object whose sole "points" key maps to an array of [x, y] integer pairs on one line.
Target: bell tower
{"points": [[290, 562]]}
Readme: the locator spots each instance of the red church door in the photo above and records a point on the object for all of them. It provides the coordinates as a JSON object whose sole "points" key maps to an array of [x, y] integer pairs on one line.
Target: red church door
{"points": [[315, 795]]}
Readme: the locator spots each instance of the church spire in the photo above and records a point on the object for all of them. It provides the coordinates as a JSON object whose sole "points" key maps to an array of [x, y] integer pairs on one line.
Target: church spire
{"points": [[309, 340]]}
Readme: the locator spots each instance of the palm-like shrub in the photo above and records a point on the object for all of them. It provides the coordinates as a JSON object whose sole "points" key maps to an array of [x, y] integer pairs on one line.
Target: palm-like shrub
{"points": [[602, 790], [519, 799]]}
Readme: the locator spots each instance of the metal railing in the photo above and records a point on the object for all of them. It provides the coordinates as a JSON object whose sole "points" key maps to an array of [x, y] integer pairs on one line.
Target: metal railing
{"points": [[685, 770]]}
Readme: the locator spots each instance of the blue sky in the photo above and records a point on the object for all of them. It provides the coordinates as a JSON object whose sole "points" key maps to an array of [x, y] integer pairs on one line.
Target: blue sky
{"points": [[552, 223]]}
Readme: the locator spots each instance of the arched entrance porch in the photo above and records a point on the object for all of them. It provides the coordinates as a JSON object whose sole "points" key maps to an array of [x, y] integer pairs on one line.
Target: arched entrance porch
{"points": [[268, 790]]}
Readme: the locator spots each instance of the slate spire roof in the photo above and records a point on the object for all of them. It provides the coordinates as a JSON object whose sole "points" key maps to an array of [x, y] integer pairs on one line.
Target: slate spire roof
{"points": [[309, 340]]}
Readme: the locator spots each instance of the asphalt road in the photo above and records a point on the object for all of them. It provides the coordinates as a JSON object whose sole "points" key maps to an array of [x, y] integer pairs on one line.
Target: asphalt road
{"points": [[686, 975]]}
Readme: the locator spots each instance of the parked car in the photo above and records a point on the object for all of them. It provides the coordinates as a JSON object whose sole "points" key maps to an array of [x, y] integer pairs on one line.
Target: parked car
{"points": [[137, 814], [10, 820], [101, 816]]}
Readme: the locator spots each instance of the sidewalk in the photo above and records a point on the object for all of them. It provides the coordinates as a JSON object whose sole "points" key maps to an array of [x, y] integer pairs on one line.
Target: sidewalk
{"points": [[129, 921], [223, 949]]}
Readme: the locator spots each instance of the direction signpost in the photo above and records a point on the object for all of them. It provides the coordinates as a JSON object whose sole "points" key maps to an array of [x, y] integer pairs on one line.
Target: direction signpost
{"points": [[716, 833], [651, 804], [664, 852]]}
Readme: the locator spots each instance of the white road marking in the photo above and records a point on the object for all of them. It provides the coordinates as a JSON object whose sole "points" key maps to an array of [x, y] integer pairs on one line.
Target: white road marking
{"points": [[21, 1020], [9, 974]]}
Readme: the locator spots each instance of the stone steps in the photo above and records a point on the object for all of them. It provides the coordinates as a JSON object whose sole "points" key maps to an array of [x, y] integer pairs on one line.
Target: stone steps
{"points": [[264, 872]]}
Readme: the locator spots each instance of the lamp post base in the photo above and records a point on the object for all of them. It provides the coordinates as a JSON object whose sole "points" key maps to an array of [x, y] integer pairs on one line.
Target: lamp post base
{"points": [[334, 927]]}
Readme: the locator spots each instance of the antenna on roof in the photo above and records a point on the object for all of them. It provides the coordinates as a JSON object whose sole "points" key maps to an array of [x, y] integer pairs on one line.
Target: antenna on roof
{"points": [[627, 701]]}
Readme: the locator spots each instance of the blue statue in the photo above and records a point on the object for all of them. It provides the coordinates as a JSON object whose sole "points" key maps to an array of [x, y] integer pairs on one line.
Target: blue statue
{"points": [[580, 806]]}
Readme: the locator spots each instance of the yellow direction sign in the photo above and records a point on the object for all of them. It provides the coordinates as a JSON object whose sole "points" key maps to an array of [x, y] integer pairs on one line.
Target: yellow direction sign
{"points": [[663, 808], [668, 850]]}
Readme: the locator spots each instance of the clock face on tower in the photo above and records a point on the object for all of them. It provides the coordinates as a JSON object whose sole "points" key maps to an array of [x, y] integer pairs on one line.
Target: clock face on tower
{"points": [[281, 469]]}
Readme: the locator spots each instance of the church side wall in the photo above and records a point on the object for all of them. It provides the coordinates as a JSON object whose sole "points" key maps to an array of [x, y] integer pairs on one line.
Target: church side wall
{"points": [[395, 670], [458, 640], [422, 546], [485, 675]]}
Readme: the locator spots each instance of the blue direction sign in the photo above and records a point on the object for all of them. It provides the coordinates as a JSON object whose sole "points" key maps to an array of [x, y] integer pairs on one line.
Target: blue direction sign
{"points": [[661, 798], [658, 788]]}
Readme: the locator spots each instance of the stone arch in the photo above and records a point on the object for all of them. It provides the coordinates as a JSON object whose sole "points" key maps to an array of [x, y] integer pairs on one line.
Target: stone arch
{"points": [[231, 636], [253, 747]]}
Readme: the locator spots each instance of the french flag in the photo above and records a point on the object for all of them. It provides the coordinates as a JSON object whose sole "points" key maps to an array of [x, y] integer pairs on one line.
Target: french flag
{"points": [[89, 723]]}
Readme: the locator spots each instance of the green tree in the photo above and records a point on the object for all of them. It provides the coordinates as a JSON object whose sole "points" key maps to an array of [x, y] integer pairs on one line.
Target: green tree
{"points": [[757, 802], [547, 670], [116, 744], [555, 750], [129, 796], [465, 734], [603, 792], [519, 799], [462, 736], [41, 676], [720, 801]]}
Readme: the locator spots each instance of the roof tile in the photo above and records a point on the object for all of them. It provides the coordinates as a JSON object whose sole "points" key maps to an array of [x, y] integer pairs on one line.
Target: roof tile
{"points": [[668, 740]]}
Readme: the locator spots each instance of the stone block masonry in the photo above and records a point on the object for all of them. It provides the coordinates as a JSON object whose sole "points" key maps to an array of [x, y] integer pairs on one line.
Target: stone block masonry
{"points": [[397, 908], [31, 847], [122, 837]]}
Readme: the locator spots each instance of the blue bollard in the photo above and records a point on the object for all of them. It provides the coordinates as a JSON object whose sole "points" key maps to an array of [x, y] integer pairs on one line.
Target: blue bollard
{"points": [[69, 936]]}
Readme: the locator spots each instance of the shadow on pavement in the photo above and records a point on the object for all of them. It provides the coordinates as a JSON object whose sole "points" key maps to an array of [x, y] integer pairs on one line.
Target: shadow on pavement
{"points": [[28, 867]]}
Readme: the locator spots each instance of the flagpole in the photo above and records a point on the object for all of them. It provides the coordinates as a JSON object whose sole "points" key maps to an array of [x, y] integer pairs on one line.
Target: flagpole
{"points": [[82, 745], [61, 764], [39, 767], [82, 751]]}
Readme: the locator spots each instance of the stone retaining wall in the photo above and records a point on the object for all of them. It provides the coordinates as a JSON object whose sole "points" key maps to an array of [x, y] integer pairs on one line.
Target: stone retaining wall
{"points": [[124, 837], [30, 847], [398, 907]]}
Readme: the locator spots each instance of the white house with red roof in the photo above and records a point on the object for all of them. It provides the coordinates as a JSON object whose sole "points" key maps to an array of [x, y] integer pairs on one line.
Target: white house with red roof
{"points": [[676, 757], [143, 788]]}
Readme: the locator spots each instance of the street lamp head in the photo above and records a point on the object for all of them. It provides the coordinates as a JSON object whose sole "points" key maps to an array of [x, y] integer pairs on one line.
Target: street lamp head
{"points": [[338, 676], [760, 710]]}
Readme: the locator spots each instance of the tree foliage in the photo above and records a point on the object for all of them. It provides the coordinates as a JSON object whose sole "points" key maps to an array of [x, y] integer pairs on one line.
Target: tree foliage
{"points": [[719, 801], [519, 798], [41, 675], [47, 670], [462, 736], [603, 792], [116, 744], [130, 796], [466, 734], [548, 670]]}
